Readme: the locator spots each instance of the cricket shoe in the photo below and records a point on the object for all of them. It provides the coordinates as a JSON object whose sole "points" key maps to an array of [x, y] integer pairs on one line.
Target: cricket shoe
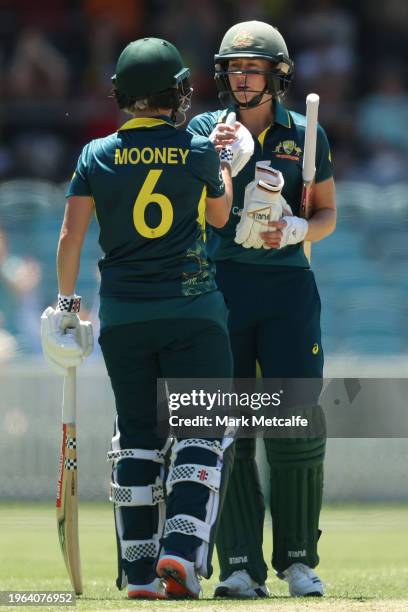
{"points": [[152, 590], [180, 577], [240, 585], [303, 582]]}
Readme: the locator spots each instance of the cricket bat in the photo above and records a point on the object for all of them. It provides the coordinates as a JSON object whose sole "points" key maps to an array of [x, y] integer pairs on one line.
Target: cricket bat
{"points": [[67, 489], [309, 160]]}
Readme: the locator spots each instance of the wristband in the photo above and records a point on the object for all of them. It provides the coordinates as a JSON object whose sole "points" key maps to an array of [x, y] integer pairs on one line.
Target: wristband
{"points": [[226, 155], [68, 303]]}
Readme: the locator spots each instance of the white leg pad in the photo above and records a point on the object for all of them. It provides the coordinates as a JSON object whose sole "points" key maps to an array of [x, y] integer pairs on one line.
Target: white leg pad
{"points": [[209, 476], [189, 472], [127, 496], [149, 495], [187, 525], [133, 550]]}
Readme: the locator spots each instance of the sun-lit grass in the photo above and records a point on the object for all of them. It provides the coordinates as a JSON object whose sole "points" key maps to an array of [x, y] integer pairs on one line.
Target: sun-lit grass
{"points": [[364, 560]]}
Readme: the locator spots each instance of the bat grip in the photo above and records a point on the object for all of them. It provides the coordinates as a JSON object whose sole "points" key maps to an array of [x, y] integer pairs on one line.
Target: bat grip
{"points": [[69, 397]]}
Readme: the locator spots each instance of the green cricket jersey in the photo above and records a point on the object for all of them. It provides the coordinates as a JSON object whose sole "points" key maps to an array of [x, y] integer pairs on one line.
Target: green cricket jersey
{"points": [[149, 182], [282, 144]]}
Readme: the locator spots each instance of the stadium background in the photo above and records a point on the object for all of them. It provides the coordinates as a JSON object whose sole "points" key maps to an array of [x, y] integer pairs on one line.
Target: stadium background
{"points": [[56, 59]]}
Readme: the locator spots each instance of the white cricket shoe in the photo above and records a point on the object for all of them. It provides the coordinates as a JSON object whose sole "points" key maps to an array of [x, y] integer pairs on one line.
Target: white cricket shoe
{"points": [[153, 590], [241, 585], [303, 582], [179, 576]]}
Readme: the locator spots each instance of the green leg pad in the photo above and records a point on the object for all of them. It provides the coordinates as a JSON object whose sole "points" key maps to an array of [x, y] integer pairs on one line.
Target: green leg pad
{"points": [[296, 473], [240, 531]]}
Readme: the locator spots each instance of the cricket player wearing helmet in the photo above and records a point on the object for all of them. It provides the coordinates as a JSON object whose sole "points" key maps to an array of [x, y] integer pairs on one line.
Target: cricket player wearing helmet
{"points": [[152, 188], [274, 306]]}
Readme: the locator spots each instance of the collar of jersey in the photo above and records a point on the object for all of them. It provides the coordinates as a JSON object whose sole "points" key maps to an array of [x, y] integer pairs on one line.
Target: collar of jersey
{"points": [[281, 116], [144, 122]]}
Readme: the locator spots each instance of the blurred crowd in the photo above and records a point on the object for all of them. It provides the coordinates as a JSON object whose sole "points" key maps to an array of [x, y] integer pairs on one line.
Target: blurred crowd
{"points": [[57, 57]]}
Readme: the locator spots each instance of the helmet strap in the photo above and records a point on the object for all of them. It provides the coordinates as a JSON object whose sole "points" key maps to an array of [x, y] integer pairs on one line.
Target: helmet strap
{"points": [[255, 101]]}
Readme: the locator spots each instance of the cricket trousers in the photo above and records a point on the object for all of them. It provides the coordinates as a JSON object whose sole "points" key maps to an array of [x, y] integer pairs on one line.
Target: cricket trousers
{"points": [[136, 355], [274, 321]]}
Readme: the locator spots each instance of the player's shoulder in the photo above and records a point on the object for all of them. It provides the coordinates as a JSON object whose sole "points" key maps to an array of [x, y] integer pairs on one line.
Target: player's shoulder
{"points": [[197, 142], [204, 123], [297, 118], [99, 146], [299, 121]]}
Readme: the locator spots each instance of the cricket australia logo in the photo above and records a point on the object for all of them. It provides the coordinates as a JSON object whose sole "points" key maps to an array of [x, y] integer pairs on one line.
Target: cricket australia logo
{"points": [[242, 39], [288, 149]]}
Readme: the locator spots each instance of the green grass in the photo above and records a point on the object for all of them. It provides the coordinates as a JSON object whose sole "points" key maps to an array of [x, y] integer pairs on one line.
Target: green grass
{"points": [[364, 560]]}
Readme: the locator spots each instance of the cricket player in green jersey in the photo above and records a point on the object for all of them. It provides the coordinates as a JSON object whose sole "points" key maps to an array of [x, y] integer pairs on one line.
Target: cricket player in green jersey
{"points": [[274, 306], [152, 187]]}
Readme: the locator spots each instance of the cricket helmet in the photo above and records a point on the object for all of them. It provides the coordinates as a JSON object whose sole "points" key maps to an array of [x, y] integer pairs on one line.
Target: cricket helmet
{"points": [[254, 39], [148, 67]]}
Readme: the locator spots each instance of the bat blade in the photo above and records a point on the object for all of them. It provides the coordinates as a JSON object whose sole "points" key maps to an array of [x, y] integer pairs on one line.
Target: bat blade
{"points": [[67, 488], [309, 160]]}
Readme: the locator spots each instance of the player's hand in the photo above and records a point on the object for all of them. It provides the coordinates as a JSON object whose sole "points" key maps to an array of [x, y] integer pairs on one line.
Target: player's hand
{"points": [[66, 340], [233, 142], [224, 135], [288, 230]]}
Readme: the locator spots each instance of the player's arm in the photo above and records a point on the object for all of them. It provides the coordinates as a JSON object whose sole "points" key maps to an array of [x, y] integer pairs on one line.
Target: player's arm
{"points": [[322, 222], [78, 213], [218, 209]]}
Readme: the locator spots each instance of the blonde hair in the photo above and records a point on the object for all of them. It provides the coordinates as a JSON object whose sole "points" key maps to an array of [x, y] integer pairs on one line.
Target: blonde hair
{"points": [[138, 105]]}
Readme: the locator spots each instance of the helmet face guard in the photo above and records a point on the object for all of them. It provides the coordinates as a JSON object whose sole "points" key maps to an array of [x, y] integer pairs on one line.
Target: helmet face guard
{"points": [[253, 40], [278, 79], [184, 91]]}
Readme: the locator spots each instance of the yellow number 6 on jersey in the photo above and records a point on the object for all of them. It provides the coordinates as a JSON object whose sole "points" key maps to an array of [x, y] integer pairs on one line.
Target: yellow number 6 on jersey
{"points": [[146, 197]]}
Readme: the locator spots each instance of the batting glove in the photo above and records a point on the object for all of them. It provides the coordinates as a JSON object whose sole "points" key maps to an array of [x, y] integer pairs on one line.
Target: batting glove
{"points": [[66, 340], [263, 202], [295, 231]]}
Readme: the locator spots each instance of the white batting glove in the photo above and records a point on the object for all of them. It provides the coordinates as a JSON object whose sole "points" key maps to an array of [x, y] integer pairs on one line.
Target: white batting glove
{"points": [[265, 172], [66, 340], [240, 151], [262, 203], [294, 231]]}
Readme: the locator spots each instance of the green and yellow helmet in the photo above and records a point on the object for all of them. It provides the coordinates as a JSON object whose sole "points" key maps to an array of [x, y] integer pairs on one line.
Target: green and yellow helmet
{"points": [[254, 39], [150, 67]]}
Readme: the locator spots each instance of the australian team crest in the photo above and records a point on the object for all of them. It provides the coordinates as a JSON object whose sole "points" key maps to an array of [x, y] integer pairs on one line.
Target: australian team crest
{"points": [[288, 149], [242, 39], [288, 146]]}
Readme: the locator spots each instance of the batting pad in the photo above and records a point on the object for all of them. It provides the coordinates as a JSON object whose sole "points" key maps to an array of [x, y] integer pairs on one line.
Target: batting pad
{"points": [[296, 479], [139, 508], [197, 477], [240, 532]]}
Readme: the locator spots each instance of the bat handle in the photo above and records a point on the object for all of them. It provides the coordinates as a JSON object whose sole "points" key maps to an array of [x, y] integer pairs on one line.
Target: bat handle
{"points": [[69, 397]]}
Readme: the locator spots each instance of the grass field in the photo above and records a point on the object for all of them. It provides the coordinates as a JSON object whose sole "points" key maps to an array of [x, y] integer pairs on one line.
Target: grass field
{"points": [[364, 552]]}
